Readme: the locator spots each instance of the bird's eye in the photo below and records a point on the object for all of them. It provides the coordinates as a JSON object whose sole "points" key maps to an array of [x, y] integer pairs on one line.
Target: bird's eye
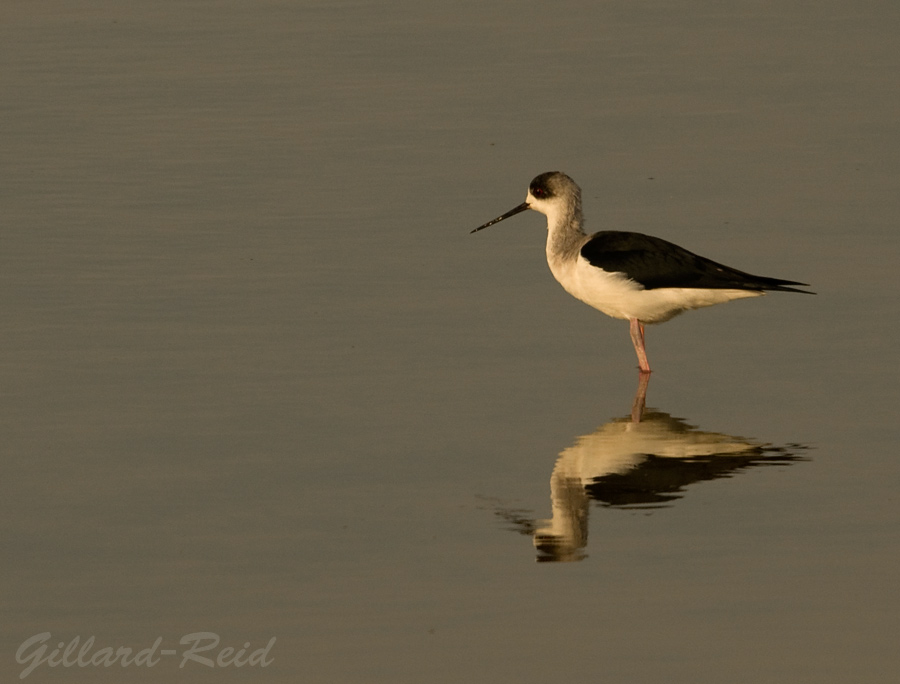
{"points": [[537, 192]]}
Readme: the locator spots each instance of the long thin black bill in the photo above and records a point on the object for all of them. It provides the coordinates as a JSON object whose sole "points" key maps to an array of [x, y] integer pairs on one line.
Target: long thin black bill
{"points": [[512, 212]]}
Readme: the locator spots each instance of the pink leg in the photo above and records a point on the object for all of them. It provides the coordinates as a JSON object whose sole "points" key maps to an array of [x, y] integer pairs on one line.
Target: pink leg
{"points": [[637, 338]]}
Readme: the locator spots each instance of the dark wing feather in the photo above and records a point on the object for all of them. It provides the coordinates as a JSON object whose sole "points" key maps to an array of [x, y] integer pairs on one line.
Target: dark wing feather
{"points": [[656, 263]]}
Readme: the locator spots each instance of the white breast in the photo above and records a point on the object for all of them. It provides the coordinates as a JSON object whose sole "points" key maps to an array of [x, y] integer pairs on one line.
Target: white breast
{"points": [[620, 297]]}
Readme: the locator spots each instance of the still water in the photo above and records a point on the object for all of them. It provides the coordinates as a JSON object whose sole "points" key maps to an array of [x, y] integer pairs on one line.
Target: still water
{"points": [[259, 382]]}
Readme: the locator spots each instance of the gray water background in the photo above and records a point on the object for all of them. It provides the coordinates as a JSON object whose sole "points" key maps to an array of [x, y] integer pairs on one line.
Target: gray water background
{"points": [[257, 379]]}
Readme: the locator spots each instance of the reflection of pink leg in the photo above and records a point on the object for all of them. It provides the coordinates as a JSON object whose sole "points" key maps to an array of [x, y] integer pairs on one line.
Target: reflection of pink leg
{"points": [[640, 397], [637, 338]]}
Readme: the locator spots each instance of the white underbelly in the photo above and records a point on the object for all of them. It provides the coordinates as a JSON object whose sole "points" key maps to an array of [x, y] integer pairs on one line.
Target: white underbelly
{"points": [[619, 297]]}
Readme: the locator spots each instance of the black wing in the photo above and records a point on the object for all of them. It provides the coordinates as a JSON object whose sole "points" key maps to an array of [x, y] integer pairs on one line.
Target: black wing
{"points": [[655, 263]]}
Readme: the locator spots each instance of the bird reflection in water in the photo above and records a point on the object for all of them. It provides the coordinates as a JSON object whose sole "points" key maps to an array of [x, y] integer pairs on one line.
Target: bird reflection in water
{"points": [[645, 460]]}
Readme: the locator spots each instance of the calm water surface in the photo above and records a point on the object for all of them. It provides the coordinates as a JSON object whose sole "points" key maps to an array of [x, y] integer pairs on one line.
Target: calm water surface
{"points": [[259, 381]]}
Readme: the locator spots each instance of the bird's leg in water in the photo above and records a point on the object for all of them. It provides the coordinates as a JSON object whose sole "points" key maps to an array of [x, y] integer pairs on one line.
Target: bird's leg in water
{"points": [[637, 338]]}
